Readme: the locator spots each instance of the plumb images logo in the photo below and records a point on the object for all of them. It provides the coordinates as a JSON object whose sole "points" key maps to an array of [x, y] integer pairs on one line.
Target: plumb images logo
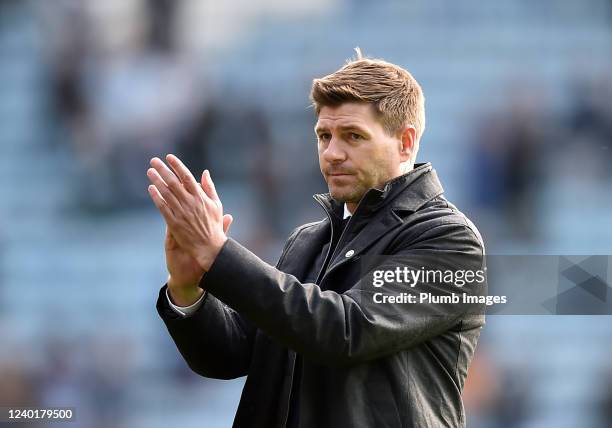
{"points": [[582, 288]]}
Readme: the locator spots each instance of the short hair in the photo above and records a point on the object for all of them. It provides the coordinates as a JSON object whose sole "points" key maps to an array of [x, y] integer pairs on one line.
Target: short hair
{"points": [[396, 96]]}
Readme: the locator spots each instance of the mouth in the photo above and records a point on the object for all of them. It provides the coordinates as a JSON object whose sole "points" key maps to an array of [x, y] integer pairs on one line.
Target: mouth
{"points": [[338, 174]]}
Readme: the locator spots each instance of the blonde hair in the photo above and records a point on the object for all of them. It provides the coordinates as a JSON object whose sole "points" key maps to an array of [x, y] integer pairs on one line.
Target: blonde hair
{"points": [[395, 94]]}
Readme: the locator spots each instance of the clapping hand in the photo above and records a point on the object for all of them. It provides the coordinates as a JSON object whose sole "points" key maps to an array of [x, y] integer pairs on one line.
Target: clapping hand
{"points": [[196, 226]]}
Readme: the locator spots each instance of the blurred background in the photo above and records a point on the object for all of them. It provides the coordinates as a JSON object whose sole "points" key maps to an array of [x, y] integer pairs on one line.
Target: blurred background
{"points": [[519, 128]]}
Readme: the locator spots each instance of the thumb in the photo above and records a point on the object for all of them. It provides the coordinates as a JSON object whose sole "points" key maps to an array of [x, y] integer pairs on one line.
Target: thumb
{"points": [[227, 221]]}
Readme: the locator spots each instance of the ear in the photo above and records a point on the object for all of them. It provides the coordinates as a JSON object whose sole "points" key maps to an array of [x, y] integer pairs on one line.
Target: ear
{"points": [[408, 143]]}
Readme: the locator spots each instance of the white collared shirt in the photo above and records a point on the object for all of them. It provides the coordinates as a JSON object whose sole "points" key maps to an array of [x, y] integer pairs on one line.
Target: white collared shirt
{"points": [[347, 213]]}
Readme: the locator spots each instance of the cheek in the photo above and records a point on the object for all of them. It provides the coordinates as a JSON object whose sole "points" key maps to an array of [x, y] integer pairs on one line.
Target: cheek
{"points": [[379, 164], [320, 157]]}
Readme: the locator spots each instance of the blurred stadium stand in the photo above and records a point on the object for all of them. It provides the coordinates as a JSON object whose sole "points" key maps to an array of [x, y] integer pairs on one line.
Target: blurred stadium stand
{"points": [[519, 106]]}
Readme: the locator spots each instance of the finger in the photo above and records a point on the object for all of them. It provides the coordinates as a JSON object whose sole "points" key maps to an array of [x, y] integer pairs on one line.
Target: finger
{"points": [[162, 188], [161, 205], [183, 173], [172, 181], [227, 222], [209, 186]]}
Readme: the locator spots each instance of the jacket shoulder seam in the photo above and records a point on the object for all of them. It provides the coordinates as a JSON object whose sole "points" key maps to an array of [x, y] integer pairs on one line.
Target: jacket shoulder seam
{"points": [[306, 225], [292, 239]]}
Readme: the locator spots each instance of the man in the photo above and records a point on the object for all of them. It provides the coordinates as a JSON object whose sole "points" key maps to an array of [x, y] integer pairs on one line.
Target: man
{"points": [[319, 346]]}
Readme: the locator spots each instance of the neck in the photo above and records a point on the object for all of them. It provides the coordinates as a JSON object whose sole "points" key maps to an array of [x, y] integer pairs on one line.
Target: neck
{"points": [[406, 167]]}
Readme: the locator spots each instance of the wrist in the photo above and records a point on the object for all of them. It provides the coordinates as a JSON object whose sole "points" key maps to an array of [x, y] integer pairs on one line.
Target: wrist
{"points": [[206, 258], [182, 295]]}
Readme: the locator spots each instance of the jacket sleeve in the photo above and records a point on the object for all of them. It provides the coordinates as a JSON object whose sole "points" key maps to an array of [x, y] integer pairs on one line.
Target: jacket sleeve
{"points": [[215, 341], [349, 328]]}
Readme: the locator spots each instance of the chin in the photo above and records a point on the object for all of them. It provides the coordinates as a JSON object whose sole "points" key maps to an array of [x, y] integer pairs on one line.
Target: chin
{"points": [[338, 196], [344, 196]]}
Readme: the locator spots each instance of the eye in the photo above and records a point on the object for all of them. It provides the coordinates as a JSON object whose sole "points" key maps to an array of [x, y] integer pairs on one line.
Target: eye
{"points": [[355, 137], [324, 136]]}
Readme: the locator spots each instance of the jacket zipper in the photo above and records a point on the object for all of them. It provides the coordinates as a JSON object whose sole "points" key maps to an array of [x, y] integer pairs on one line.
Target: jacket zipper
{"points": [[320, 276], [341, 235]]}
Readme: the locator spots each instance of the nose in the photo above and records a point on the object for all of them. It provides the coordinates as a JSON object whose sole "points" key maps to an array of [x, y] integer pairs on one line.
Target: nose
{"points": [[334, 153]]}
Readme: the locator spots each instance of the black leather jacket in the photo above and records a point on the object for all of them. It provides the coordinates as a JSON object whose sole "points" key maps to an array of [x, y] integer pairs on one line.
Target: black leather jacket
{"points": [[360, 364]]}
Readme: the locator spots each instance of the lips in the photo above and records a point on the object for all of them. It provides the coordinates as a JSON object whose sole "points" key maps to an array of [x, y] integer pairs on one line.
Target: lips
{"points": [[338, 173]]}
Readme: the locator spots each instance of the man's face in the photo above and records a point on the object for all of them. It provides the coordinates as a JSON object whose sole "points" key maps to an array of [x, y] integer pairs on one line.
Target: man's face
{"points": [[355, 152]]}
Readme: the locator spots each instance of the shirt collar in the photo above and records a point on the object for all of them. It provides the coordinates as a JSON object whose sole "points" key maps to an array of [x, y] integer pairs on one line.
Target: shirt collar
{"points": [[347, 213]]}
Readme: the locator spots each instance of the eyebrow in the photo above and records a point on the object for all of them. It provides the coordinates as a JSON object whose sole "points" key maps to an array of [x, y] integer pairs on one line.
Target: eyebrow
{"points": [[347, 127]]}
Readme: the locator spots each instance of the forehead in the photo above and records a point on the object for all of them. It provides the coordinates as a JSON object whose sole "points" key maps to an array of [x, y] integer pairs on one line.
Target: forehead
{"points": [[347, 114]]}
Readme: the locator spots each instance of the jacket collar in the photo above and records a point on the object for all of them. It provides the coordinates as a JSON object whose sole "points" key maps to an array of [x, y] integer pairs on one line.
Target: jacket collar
{"points": [[407, 192]]}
